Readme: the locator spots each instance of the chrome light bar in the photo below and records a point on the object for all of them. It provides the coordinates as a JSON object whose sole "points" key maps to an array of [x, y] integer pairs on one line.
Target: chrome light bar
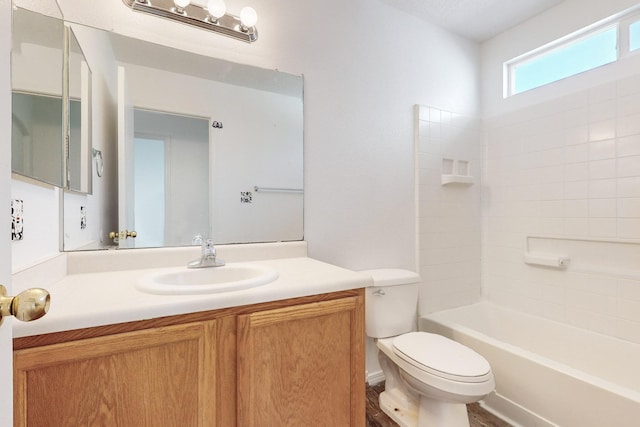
{"points": [[198, 16]]}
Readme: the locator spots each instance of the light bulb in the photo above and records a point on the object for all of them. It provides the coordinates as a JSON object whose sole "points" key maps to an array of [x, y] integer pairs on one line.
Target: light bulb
{"points": [[180, 5], [216, 9], [248, 17]]}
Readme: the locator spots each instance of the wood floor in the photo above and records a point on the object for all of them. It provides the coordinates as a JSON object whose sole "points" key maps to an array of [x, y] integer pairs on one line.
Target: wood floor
{"points": [[478, 417]]}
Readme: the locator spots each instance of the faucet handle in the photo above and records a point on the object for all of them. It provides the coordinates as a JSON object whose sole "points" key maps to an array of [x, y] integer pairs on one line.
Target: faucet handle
{"points": [[197, 240], [208, 257], [208, 249]]}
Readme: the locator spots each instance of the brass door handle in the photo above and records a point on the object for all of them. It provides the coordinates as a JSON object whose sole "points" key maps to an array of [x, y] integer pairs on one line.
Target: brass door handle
{"points": [[122, 235], [28, 305]]}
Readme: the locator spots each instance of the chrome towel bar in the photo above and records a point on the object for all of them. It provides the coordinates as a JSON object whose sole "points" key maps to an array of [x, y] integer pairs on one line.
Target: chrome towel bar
{"points": [[276, 190]]}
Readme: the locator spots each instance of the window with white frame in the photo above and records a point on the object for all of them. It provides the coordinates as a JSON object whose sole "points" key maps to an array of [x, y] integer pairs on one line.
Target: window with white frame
{"points": [[597, 45], [634, 36]]}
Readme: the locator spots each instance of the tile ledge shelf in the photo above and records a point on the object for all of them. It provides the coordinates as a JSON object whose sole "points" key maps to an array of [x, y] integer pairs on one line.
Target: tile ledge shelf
{"points": [[458, 179]]}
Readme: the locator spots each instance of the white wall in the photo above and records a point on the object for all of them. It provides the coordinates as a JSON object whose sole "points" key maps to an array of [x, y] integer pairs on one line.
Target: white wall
{"points": [[5, 148], [564, 162], [6, 360]]}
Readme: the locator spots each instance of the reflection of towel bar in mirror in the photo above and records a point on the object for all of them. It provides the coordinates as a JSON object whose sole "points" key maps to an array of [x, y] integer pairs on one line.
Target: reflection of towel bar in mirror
{"points": [[276, 190]]}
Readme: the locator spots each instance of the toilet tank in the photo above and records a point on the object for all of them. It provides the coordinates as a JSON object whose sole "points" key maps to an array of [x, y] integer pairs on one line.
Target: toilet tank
{"points": [[391, 303]]}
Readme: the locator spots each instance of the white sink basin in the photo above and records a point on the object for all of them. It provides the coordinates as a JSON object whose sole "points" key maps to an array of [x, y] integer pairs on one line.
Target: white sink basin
{"points": [[209, 280]]}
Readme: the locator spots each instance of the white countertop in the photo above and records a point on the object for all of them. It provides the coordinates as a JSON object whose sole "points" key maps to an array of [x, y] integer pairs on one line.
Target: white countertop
{"points": [[91, 299]]}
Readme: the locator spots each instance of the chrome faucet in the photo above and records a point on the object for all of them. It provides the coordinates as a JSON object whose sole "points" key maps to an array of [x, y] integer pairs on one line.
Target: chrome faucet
{"points": [[208, 257]]}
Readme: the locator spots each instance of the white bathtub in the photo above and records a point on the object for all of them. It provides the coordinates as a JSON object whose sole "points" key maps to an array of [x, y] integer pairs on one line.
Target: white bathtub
{"points": [[548, 373]]}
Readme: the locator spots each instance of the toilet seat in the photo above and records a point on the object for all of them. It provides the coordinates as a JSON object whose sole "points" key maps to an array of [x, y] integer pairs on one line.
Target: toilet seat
{"points": [[442, 357]]}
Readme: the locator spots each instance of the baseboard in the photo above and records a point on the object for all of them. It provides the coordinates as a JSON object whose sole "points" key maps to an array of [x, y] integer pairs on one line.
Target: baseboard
{"points": [[511, 412], [374, 378]]}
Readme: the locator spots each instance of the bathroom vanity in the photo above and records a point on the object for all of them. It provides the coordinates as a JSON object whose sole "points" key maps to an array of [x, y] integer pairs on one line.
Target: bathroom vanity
{"points": [[279, 361]]}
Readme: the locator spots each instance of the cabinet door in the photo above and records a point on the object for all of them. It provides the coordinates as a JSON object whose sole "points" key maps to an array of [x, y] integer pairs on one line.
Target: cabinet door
{"points": [[155, 377], [302, 365]]}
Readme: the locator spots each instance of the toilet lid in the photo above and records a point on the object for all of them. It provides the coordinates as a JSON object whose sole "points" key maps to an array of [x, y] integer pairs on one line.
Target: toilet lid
{"points": [[441, 356]]}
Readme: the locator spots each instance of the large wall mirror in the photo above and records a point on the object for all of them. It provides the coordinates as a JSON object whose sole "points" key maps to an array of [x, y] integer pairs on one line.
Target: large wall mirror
{"points": [[205, 147]]}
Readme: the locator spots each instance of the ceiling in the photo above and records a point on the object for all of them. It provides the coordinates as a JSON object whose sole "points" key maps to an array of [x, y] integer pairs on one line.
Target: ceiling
{"points": [[478, 20]]}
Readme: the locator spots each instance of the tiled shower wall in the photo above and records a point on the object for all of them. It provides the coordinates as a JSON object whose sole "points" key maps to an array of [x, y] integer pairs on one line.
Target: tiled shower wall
{"points": [[568, 168], [449, 216]]}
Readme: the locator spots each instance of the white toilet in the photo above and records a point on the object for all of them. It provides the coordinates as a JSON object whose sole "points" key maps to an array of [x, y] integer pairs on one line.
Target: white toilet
{"points": [[429, 378]]}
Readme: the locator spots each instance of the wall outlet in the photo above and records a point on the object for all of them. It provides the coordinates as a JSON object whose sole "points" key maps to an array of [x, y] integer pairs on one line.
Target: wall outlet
{"points": [[17, 226], [83, 218]]}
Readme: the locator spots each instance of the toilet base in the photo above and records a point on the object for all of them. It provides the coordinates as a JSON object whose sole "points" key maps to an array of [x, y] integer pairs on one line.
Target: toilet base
{"points": [[437, 413], [428, 413], [398, 408]]}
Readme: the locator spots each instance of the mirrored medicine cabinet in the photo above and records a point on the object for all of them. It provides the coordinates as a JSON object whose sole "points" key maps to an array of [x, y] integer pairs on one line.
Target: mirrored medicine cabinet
{"points": [[37, 57], [51, 113], [202, 146]]}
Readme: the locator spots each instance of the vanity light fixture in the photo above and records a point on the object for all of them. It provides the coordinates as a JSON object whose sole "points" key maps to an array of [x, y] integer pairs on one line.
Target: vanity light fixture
{"points": [[213, 17]]}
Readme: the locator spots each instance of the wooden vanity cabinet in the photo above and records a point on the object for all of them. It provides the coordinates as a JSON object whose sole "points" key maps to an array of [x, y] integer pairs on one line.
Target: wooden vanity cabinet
{"points": [[155, 377], [301, 365], [284, 363]]}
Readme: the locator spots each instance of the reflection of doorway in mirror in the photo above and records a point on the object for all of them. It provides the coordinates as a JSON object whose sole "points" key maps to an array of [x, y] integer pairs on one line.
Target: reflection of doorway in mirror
{"points": [[171, 178], [149, 182]]}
